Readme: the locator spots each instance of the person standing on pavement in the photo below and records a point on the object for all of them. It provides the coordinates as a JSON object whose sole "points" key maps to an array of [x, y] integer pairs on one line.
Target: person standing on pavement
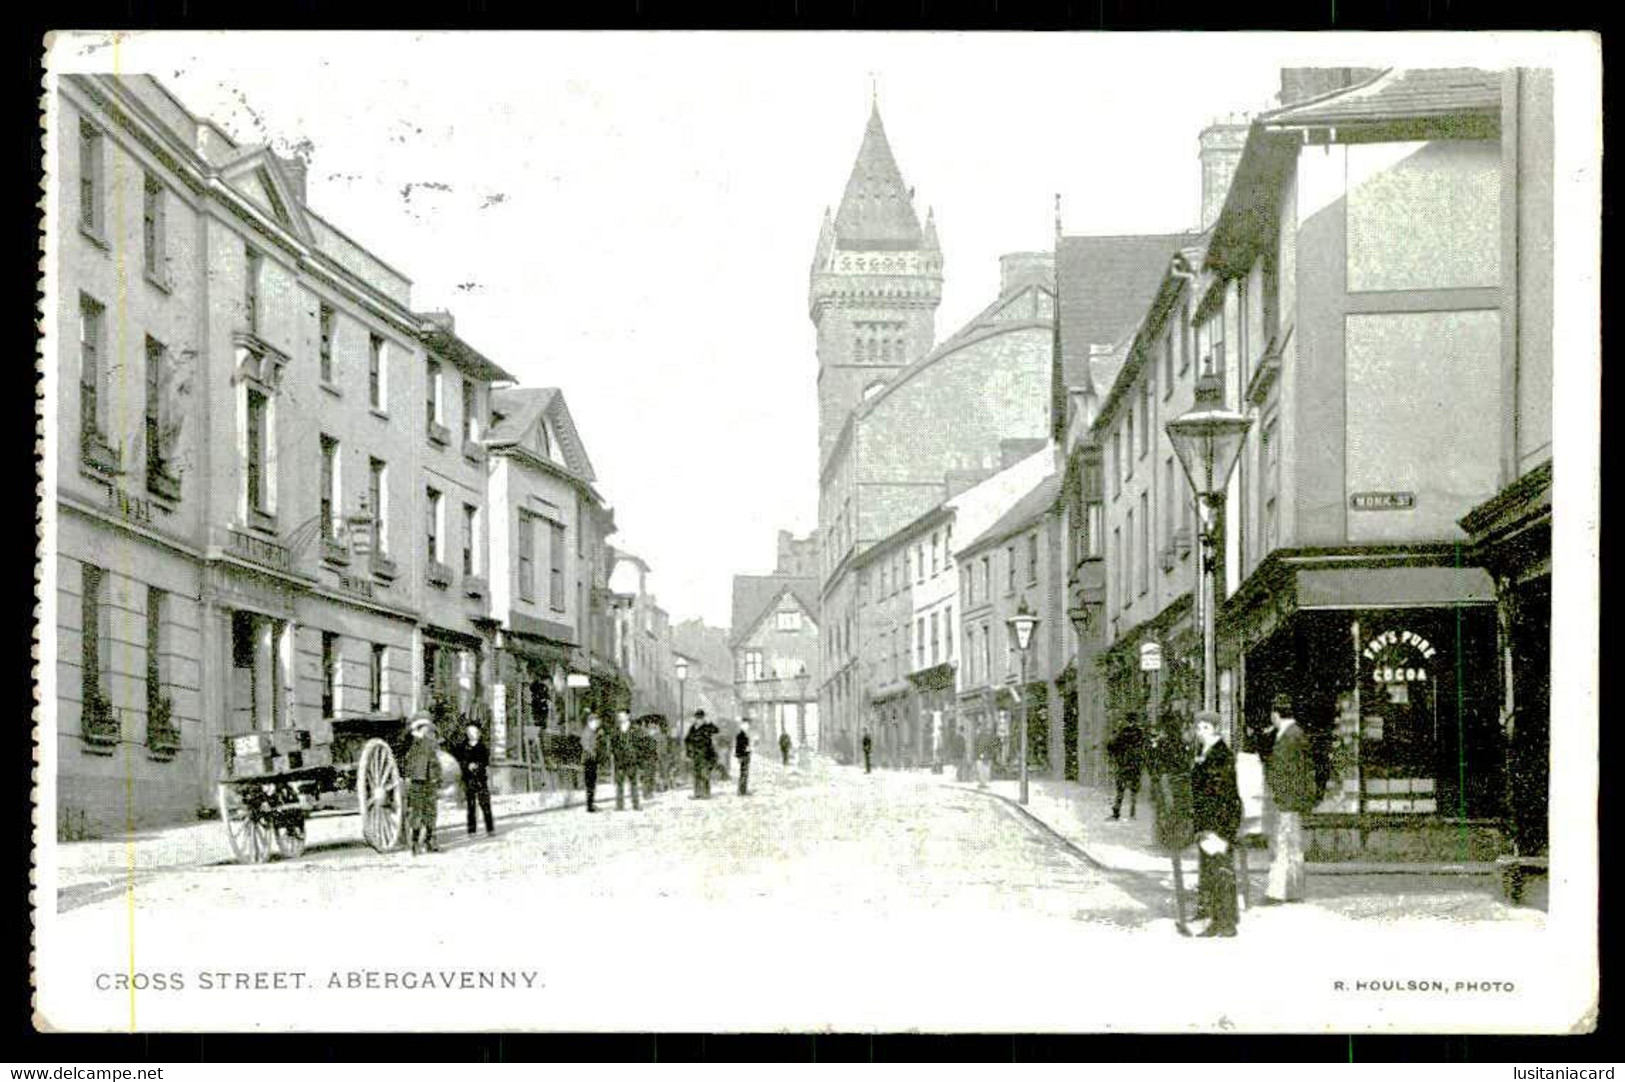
{"points": [[1291, 774], [742, 746], [648, 740], [702, 754], [474, 757], [624, 751], [1216, 819], [868, 750], [592, 741], [422, 768], [1126, 750], [784, 748]]}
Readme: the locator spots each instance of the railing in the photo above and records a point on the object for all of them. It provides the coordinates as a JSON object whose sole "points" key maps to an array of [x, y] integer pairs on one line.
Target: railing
{"points": [[383, 566], [437, 574], [475, 585], [439, 433]]}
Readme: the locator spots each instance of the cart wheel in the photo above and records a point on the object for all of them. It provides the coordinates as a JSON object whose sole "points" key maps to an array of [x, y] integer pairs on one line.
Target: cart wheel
{"points": [[382, 796], [290, 839], [249, 835]]}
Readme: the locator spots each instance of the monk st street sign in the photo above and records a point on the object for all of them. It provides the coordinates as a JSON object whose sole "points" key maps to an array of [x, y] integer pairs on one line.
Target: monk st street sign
{"points": [[1382, 501]]}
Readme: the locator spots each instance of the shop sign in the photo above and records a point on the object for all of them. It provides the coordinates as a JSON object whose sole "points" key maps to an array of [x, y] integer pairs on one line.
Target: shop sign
{"points": [[1382, 501], [1382, 647], [1150, 656], [578, 680]]}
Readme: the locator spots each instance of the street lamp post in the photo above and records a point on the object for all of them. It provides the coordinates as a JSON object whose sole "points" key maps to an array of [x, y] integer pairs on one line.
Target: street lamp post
{"points": [[802, 678], [1021, 633], [682, 676], [1208, 438]]}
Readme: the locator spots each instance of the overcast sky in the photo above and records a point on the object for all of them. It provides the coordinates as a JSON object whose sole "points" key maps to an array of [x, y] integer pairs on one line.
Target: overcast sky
{"points": [[632, 217]]}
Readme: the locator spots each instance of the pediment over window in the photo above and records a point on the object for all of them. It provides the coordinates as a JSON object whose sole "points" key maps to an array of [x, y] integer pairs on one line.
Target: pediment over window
{"points": [[257, 362]]}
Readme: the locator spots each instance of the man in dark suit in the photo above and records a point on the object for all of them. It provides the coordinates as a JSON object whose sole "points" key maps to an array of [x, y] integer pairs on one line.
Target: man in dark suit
{"points": [[1216, 818], [624, 750], [474, 756], [702, 754], [1126, 749], [742, 747], [784, 748], [1291, 773], [868, 749], [592, 745]]}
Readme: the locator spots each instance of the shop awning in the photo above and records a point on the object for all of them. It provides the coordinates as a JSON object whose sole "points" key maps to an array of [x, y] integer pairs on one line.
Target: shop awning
{"points": [[1393, 587]]}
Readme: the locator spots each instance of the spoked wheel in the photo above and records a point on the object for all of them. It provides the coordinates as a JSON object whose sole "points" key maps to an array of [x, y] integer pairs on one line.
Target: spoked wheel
{"points": [[290, 838], [382, 796], [250, 836]]}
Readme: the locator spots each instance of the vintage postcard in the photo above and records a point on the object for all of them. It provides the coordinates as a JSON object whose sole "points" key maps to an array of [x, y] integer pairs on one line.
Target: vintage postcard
{"points": [[818, 532]]}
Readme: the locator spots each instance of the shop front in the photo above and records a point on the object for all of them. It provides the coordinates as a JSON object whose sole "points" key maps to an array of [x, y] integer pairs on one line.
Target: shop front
{"points": [[1392, 671], [453, 680], [933, 714], [537, 703]]}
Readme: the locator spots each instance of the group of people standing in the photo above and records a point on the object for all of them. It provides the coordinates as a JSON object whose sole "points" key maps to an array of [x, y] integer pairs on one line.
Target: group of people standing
{"points": [[636, 752], [1215, 804]]}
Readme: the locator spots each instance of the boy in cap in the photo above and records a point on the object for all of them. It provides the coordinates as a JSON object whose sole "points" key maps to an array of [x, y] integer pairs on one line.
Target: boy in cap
{"points": [[422, 767]]}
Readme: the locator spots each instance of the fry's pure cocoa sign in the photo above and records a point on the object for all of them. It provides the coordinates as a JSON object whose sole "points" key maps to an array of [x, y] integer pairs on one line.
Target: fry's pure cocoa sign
{"points": [[1387, 652]]}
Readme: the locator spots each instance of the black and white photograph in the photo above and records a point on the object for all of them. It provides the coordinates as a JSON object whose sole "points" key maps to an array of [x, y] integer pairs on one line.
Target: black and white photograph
{"points": [[891, 532]]}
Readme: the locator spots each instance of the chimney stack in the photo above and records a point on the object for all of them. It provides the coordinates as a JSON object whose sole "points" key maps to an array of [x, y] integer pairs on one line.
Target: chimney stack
{"points": [[1219, 148], [440, 319]]}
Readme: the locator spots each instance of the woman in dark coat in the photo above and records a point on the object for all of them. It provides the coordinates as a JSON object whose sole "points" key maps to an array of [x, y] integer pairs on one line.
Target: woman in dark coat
{"points": [[1216, 819]]}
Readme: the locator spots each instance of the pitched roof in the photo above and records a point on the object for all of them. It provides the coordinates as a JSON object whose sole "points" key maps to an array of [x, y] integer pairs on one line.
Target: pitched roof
{"points": [[522, 407], [1024, 512], [877, 210], [754, 594], [1106, 284], [1400, 94]]}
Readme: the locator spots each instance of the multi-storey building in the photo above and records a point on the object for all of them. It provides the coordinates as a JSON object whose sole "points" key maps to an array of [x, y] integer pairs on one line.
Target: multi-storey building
{"points": [[237, 475], [456, 632], [547, 552], [1357, 298], [1106, 285]]}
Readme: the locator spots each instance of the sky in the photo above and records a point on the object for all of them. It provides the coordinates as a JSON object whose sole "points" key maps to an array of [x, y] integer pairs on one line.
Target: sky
{"points": [[631, 217]]}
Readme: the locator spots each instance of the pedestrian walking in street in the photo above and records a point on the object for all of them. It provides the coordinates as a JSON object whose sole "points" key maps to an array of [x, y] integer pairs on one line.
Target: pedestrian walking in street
{"points": [[868, 751], [1216, 819], [648, 741], [1126, 749], [626, 754], [592, 743], [422, 767], [784, 748], [702, 754], [474, 757], [742, 749], [1291, 773]]}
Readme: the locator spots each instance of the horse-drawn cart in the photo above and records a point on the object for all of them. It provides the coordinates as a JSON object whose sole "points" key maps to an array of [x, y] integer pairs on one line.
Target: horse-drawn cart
{"points": [[275, 779]]}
